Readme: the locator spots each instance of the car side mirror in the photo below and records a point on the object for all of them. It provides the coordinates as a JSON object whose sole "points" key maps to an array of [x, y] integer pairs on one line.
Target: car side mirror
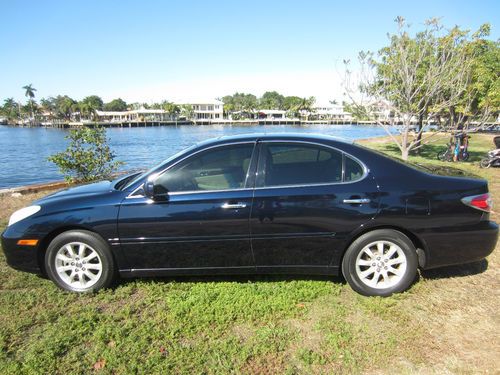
{"points": [[149, 189], [151, 192]]}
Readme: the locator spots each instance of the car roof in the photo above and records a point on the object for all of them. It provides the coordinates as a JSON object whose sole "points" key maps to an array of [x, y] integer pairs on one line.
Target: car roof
{"points": [[274, 136]]}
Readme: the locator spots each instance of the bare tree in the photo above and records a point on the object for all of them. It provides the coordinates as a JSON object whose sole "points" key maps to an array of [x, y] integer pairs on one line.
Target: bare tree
{"points": [[414, 79]]}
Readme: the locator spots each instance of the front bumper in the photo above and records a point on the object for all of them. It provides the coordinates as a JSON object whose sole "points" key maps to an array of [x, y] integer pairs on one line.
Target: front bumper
{"points": [[460, 245], [22, 258]]}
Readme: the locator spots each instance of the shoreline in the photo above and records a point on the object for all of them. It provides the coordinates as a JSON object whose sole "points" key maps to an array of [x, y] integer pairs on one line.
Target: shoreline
{"points": [[34, 188], [249, 122]]}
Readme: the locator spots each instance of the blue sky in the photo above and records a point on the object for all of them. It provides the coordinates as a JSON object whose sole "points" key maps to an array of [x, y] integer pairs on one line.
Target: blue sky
{"points": [[183, 50]]}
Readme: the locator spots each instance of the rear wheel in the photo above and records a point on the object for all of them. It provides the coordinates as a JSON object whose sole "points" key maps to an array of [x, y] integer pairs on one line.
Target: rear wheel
{"points": [[380, 263], [80, 261]]}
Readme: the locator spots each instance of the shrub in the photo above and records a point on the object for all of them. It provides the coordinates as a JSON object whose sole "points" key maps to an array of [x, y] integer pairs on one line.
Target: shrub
{"points": [[88, 156]]}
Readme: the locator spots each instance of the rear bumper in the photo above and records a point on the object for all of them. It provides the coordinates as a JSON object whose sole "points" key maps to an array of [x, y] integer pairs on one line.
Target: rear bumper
{"points": [[22, 258], [460, 244]]}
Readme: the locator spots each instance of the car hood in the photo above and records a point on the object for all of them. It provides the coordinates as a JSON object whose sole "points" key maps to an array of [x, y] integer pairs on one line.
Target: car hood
{"points": [[78, 191]]}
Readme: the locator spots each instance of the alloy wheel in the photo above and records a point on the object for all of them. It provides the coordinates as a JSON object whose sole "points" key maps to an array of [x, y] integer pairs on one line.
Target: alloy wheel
{"points": [[381, 264], [78, 265]]}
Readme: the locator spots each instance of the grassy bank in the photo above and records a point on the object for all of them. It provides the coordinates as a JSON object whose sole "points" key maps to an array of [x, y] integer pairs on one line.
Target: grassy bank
{"points": [[448, 321]]}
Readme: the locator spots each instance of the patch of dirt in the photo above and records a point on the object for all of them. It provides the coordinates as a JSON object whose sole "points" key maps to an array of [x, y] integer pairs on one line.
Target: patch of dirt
{"points": [[460, 317], [265, 365]]}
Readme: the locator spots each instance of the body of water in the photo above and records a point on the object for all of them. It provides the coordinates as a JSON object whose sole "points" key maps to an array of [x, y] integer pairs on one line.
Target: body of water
{"points": [[24, 151]]}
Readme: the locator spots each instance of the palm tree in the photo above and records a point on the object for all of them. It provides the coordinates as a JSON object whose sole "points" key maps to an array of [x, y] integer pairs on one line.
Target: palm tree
{"points": [[172, 109], [11, 109], [306, 106], [30, 93], [187, 111], [90, 105]]}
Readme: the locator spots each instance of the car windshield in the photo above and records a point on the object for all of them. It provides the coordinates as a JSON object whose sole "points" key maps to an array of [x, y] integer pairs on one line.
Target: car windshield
{"points": [[142, 175], [120, 183]]}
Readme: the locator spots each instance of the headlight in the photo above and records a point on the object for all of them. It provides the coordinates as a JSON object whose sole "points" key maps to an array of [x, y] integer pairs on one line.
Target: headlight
{"points": [[23, 213]]}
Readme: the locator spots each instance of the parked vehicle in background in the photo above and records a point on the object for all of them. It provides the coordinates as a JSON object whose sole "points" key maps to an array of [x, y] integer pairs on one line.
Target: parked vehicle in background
{"points": [[493, 157], [260, 203]]}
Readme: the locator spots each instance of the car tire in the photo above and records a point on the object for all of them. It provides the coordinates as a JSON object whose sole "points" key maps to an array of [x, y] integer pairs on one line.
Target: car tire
{"points": [[80, 261], [380, 263]]}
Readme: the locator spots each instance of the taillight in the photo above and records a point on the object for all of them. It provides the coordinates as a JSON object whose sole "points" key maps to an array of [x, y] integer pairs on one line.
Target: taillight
{"points": [[482, 202]]}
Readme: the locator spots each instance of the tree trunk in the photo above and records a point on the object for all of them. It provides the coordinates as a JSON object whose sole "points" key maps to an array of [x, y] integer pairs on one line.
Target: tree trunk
{"points": [[404, 153], [419, 133], [452, 118], [404, 143]]}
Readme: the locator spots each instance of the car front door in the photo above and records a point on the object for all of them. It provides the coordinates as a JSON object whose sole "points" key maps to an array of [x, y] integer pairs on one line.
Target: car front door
{"points": [[308, 198], [204, 220]]}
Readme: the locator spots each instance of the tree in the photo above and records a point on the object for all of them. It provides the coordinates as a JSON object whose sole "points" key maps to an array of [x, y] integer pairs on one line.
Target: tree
{"points": [[272, 100], [244, 104], [118, 105], [187, 111], [65, 106], [306, 106], [358, 112], [172, 109], [298, 107], [88, 156], [10, 109], [480, 100], [90, 105], [413, 78], [30, 94], [290, 103]]}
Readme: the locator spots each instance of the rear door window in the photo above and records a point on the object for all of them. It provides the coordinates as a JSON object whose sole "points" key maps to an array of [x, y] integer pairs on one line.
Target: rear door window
{"points": [[297, 164]]}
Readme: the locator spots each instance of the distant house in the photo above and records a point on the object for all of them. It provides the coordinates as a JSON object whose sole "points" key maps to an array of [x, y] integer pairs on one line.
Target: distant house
{"points": [[136, 115], [205, 109], [329, 111], [271, 114], [202, 110]]}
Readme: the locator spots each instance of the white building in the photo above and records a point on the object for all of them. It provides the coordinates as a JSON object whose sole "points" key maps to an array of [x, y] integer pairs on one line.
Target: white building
{"points": [[271, 114], [206, 109], [328, 111], [136, 115], [202, 110]]}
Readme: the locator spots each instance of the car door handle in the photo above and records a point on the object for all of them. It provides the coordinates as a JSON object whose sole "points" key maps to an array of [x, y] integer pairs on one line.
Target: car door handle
{"points": [[356, 201], [233, 205]]}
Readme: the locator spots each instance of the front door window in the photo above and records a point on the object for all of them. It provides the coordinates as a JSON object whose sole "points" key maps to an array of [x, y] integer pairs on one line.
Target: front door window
{"points": [[222, 168]]}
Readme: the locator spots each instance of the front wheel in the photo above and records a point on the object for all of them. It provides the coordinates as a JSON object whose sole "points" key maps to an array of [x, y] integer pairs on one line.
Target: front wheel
{"points": [[80, 261], [380, 263], [485, 163], [444, 155]]}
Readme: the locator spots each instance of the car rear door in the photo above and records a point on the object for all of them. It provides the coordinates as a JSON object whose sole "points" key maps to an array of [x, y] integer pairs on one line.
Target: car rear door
{"points": [[308, 199]]}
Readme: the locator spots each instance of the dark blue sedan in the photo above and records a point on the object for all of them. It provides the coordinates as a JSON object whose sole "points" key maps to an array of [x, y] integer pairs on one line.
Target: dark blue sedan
{"points": [[274, 203]]}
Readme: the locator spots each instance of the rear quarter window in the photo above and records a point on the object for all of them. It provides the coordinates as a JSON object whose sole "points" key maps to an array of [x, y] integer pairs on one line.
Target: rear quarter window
{"points": [[353, 170]]}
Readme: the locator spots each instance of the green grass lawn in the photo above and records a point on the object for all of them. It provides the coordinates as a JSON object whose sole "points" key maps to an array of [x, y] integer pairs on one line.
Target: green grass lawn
{"points": [[222, 325]]}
